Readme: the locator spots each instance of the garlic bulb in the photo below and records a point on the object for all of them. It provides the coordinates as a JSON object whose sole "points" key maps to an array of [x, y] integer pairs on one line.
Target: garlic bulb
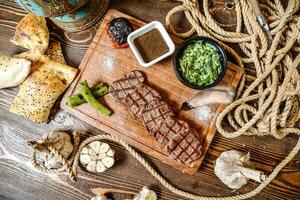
{"points": [[234, 169], [97, 156], [146, 194], [60, 141]]}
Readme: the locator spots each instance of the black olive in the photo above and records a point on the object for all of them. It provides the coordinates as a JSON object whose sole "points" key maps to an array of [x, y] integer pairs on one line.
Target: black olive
{"points": [[120, 28]]}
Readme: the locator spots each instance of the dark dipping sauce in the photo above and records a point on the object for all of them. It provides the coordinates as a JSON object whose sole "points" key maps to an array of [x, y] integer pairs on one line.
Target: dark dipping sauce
{"points": [[151, 45]]}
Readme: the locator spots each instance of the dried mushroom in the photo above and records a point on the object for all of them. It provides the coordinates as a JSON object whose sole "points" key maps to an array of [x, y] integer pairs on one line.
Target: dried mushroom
{"points": [[234, 169], [97, 156], [60, 141], [214, 95]]}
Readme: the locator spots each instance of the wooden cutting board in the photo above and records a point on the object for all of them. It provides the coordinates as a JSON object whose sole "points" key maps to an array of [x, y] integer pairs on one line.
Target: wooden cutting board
{"points": [[103, 63]]}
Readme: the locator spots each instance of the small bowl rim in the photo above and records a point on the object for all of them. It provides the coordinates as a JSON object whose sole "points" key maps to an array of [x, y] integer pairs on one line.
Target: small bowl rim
{"points": [[144, 29], [187, 42]]}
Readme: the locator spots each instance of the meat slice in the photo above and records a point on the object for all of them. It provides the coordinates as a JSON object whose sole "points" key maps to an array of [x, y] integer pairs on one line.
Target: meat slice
{"points": [[185, 146], [136, 103], [126, 85], [146, 104], [155, 113], [169, 128], [139, 98], [148, 93]]}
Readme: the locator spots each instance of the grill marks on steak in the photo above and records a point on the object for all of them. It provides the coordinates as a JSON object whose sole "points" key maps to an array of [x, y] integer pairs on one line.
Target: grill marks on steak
{"points": [[139, 98], [168, 129], [145, 103], [126, 85], [136, 103], [154, 114], [185, 146], [148, 93], [181, 140]]}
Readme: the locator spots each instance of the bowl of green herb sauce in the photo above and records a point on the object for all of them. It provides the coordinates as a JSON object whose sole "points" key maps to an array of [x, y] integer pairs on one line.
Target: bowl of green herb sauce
{"points": [[200, 62]]}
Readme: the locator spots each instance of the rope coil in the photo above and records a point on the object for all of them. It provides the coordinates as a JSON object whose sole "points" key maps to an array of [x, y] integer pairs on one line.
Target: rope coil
{"points": [[272, 99], [270, 104]]}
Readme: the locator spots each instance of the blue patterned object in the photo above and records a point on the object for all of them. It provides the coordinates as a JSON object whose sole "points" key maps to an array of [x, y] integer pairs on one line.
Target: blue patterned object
{"points": [[61, 13], [84, 17], [51, 8]]}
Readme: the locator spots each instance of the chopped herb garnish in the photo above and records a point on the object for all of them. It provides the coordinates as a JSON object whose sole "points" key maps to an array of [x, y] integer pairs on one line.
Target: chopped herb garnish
{"points": [[200, 64]]}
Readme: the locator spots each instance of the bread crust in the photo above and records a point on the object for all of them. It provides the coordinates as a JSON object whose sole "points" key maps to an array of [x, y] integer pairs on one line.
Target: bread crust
{"points": [[32, 33], [41, 89]]}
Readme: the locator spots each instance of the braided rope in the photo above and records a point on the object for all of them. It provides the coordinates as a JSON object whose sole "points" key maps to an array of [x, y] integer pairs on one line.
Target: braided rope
{"points": [[173, 189], [72, 170], [66, 164], [270, 104]]}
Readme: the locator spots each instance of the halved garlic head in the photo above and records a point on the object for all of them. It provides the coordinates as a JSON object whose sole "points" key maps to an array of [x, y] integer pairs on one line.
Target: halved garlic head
{"points": [[97, 156]]}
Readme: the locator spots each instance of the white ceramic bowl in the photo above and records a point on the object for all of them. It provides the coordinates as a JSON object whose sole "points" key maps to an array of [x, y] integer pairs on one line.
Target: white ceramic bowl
{"points": [[141, 31]]}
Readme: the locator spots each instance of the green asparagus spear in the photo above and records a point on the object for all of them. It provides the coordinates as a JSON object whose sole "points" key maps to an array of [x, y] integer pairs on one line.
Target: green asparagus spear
{"points": [[98, 90], [85, 91]]}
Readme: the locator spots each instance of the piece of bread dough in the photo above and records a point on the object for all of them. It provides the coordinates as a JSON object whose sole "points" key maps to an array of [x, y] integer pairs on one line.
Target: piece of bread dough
{"points": [[13, 71], [32, 33], [41, 89], [54, 52]]}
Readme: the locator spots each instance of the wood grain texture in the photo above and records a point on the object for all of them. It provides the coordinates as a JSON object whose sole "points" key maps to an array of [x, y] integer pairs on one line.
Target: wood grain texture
{"points": [[102, 63], [19, 181]]}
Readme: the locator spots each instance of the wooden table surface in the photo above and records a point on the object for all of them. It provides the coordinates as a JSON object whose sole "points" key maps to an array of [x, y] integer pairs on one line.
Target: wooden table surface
{"points": [[19, 180]]}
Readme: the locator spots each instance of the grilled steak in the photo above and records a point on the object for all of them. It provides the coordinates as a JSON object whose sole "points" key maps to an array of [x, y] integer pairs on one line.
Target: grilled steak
{"points": [[148, 93], [154, 113], [139, 98], [185, 146], [145, 104], [126, 85], [136, 103], [169, 128]]}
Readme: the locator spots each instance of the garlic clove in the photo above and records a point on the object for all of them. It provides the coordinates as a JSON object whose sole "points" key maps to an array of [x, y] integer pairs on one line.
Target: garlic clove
{"points": [[104, 148], [94, 157], [108, 161], [85, 158], [95, 146], [101, 156], [100, 167], [92, 152], [111, 153], [146, 194], [91, 166], [84, 150]]}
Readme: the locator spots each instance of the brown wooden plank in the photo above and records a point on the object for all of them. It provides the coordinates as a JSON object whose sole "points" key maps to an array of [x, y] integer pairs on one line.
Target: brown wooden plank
{"points": [[106, 64], [19, 181]]}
